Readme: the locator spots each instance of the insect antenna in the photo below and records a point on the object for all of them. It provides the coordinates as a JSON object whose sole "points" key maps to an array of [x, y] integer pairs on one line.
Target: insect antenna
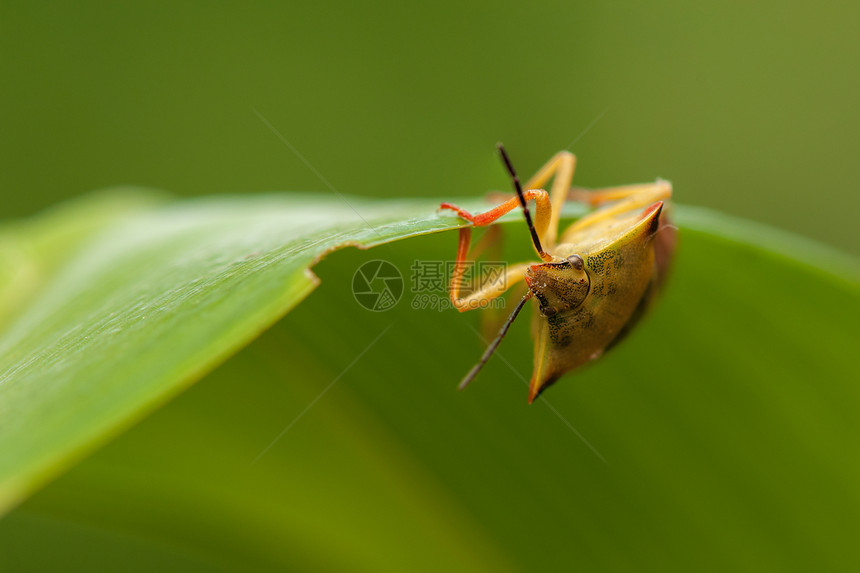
{"points": [[495, 343], [522, 198]]}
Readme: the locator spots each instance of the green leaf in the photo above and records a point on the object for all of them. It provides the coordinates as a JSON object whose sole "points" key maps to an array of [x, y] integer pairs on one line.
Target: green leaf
{"points": [[727, 420], [154, 300]]}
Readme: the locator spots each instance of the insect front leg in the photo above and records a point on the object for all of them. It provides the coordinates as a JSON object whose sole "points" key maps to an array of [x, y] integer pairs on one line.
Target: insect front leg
{"points": [[543, 211], [492, 288], [490, 246]]}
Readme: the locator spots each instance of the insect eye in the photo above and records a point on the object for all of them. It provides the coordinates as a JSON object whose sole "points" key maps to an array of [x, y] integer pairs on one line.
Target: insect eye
{"points": [[548, 311], [576, 262]]}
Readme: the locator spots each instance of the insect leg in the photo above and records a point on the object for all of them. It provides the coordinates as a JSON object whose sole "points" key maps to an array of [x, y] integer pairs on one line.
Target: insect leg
{"points": [[493, 287], [627, 199], [543, 211], [596, 197], [490, 248], [561, 167]]}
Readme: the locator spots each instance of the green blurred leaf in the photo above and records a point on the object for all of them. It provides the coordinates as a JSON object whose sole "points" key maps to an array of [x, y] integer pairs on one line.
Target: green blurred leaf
{"points": [[727, 419], [150, 303]]}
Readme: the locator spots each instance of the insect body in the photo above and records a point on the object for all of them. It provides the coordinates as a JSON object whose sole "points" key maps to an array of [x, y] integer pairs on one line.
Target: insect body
{"points": [[594, 281]]}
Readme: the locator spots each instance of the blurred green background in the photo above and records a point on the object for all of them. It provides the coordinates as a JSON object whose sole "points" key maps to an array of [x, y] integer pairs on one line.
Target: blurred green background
{"points": [[747, 107], [736, 462]]}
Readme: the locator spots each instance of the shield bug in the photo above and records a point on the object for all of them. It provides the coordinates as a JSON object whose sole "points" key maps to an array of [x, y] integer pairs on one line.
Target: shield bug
{"points": [[593, 282]]}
